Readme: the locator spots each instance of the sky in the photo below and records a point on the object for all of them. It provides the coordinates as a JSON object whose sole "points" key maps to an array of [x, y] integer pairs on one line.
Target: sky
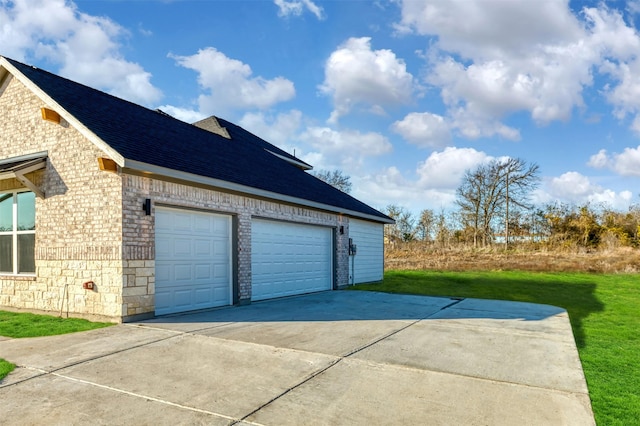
{"points": [[401, 95]]}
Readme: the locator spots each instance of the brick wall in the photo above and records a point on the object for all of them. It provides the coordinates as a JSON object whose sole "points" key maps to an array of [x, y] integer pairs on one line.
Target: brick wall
{"points": [[78, 223]]}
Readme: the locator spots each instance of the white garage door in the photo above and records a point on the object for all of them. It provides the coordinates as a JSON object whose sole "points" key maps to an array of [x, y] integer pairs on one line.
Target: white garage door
{"points": [[289, 258], [193, 260], [368, 263]]}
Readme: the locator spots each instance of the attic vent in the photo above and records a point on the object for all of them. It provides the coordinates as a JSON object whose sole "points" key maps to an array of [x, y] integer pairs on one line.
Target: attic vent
{"points": [[212, 125]]}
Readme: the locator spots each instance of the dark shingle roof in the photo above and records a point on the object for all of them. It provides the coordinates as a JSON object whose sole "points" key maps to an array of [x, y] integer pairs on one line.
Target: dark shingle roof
{"points": [[152, 137]]}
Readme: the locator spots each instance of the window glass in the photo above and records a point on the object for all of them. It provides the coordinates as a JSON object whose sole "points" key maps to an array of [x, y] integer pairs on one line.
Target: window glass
{"points": [[6, 212], [6, 253], [26, 260], [26, 211]]}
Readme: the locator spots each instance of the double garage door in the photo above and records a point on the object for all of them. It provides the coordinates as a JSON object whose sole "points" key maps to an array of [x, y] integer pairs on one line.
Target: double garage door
{"points": [[194, 260]]}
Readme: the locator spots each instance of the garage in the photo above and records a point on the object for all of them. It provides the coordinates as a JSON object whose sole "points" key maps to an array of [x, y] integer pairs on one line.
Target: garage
{"points": [[290, 258], [193, 260]]}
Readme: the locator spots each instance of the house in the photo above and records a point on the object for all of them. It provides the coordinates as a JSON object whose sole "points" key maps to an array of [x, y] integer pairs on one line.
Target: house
{"points": [[109, 210]]}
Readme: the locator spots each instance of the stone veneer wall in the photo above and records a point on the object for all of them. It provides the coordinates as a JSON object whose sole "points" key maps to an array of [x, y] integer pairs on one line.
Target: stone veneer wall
{"points": [[78, 223], [139, 242]]}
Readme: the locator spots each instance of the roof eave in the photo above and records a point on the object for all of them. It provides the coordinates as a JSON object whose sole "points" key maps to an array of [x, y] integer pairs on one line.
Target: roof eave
{"points": [[51, 103], [152, 170]]}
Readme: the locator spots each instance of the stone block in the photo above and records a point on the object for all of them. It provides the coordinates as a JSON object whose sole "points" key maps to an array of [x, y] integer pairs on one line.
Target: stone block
{"points": [[134, 291]]}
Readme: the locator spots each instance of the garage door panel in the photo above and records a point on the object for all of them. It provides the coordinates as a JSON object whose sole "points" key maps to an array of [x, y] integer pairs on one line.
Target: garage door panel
{"points": [[181, 247], [181, 273], [203, 272], [181, 222], [193, 258], [290, 259], [203, 247], [162, 299], [221, 271], [202, 295], [202, 224], [182, 298]]}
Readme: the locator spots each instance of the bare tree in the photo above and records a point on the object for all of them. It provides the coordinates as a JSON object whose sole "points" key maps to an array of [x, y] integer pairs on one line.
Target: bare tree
{"points": [[470, 198], [520, 179], [426, 224], [442, 230], [404, 229], [335, 178], [490, 190]]}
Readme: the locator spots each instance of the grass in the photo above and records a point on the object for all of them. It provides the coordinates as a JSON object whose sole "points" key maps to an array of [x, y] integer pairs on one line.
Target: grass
{"points": [[17, 325], [5, 368], [603, 309]]}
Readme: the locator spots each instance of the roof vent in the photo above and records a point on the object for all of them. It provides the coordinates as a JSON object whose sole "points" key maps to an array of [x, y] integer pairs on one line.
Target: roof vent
{"points": [[212, 125]]}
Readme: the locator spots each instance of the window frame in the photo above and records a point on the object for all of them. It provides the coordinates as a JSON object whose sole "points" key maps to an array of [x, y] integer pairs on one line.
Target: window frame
{"points": [[14, 233]]}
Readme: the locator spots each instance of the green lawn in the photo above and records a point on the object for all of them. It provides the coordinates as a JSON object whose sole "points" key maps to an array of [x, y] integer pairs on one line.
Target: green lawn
{"points": [[604, 311], [5, 368], [18, 325]]}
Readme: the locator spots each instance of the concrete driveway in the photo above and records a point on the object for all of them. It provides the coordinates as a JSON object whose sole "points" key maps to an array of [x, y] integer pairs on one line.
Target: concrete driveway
{"points": [[342, 357]]}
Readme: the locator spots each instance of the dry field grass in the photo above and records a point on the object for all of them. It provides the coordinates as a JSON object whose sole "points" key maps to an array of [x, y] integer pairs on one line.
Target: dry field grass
{"points": [[417, 256]]}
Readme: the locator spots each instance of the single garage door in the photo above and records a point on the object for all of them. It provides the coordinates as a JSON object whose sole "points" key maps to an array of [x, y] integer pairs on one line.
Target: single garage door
{"points": [[193, 260], [368, 263], [289, 258]]}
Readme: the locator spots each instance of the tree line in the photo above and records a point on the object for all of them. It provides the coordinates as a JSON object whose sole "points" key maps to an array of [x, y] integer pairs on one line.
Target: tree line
{"points": [[493, 209], [553, 226]]}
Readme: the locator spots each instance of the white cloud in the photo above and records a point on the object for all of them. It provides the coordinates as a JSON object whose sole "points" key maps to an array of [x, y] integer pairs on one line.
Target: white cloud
{"points": [[437, 178], [599, 160], [345, 149], [86, 47], [626, 163], [287, 8], [229, 83], [445, 169], [279, 130], [424, 129], [389, 186], [478, 28], [573, 187], [184, 114], [355, 75], [493, 58]]}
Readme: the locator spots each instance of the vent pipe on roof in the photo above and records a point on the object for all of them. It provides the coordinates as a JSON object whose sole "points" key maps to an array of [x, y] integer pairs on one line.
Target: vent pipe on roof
{"points": [[212, 125]]}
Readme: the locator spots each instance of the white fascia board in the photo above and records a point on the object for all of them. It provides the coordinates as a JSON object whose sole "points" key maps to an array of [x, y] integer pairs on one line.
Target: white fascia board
{"points": [[103, 146], [300, 164], [24, 157], [151, 170]]}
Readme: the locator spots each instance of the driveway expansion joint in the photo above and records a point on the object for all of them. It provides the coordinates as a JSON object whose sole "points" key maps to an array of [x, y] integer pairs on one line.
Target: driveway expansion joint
{"points": [[82, 361], [343, 357]]}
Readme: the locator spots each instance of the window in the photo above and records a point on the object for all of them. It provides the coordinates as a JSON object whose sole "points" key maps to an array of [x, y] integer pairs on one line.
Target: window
{"points": [[17, 232]]}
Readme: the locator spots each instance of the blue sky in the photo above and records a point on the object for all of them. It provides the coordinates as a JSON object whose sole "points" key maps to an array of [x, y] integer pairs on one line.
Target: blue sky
{"points": [[403, 96]]}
